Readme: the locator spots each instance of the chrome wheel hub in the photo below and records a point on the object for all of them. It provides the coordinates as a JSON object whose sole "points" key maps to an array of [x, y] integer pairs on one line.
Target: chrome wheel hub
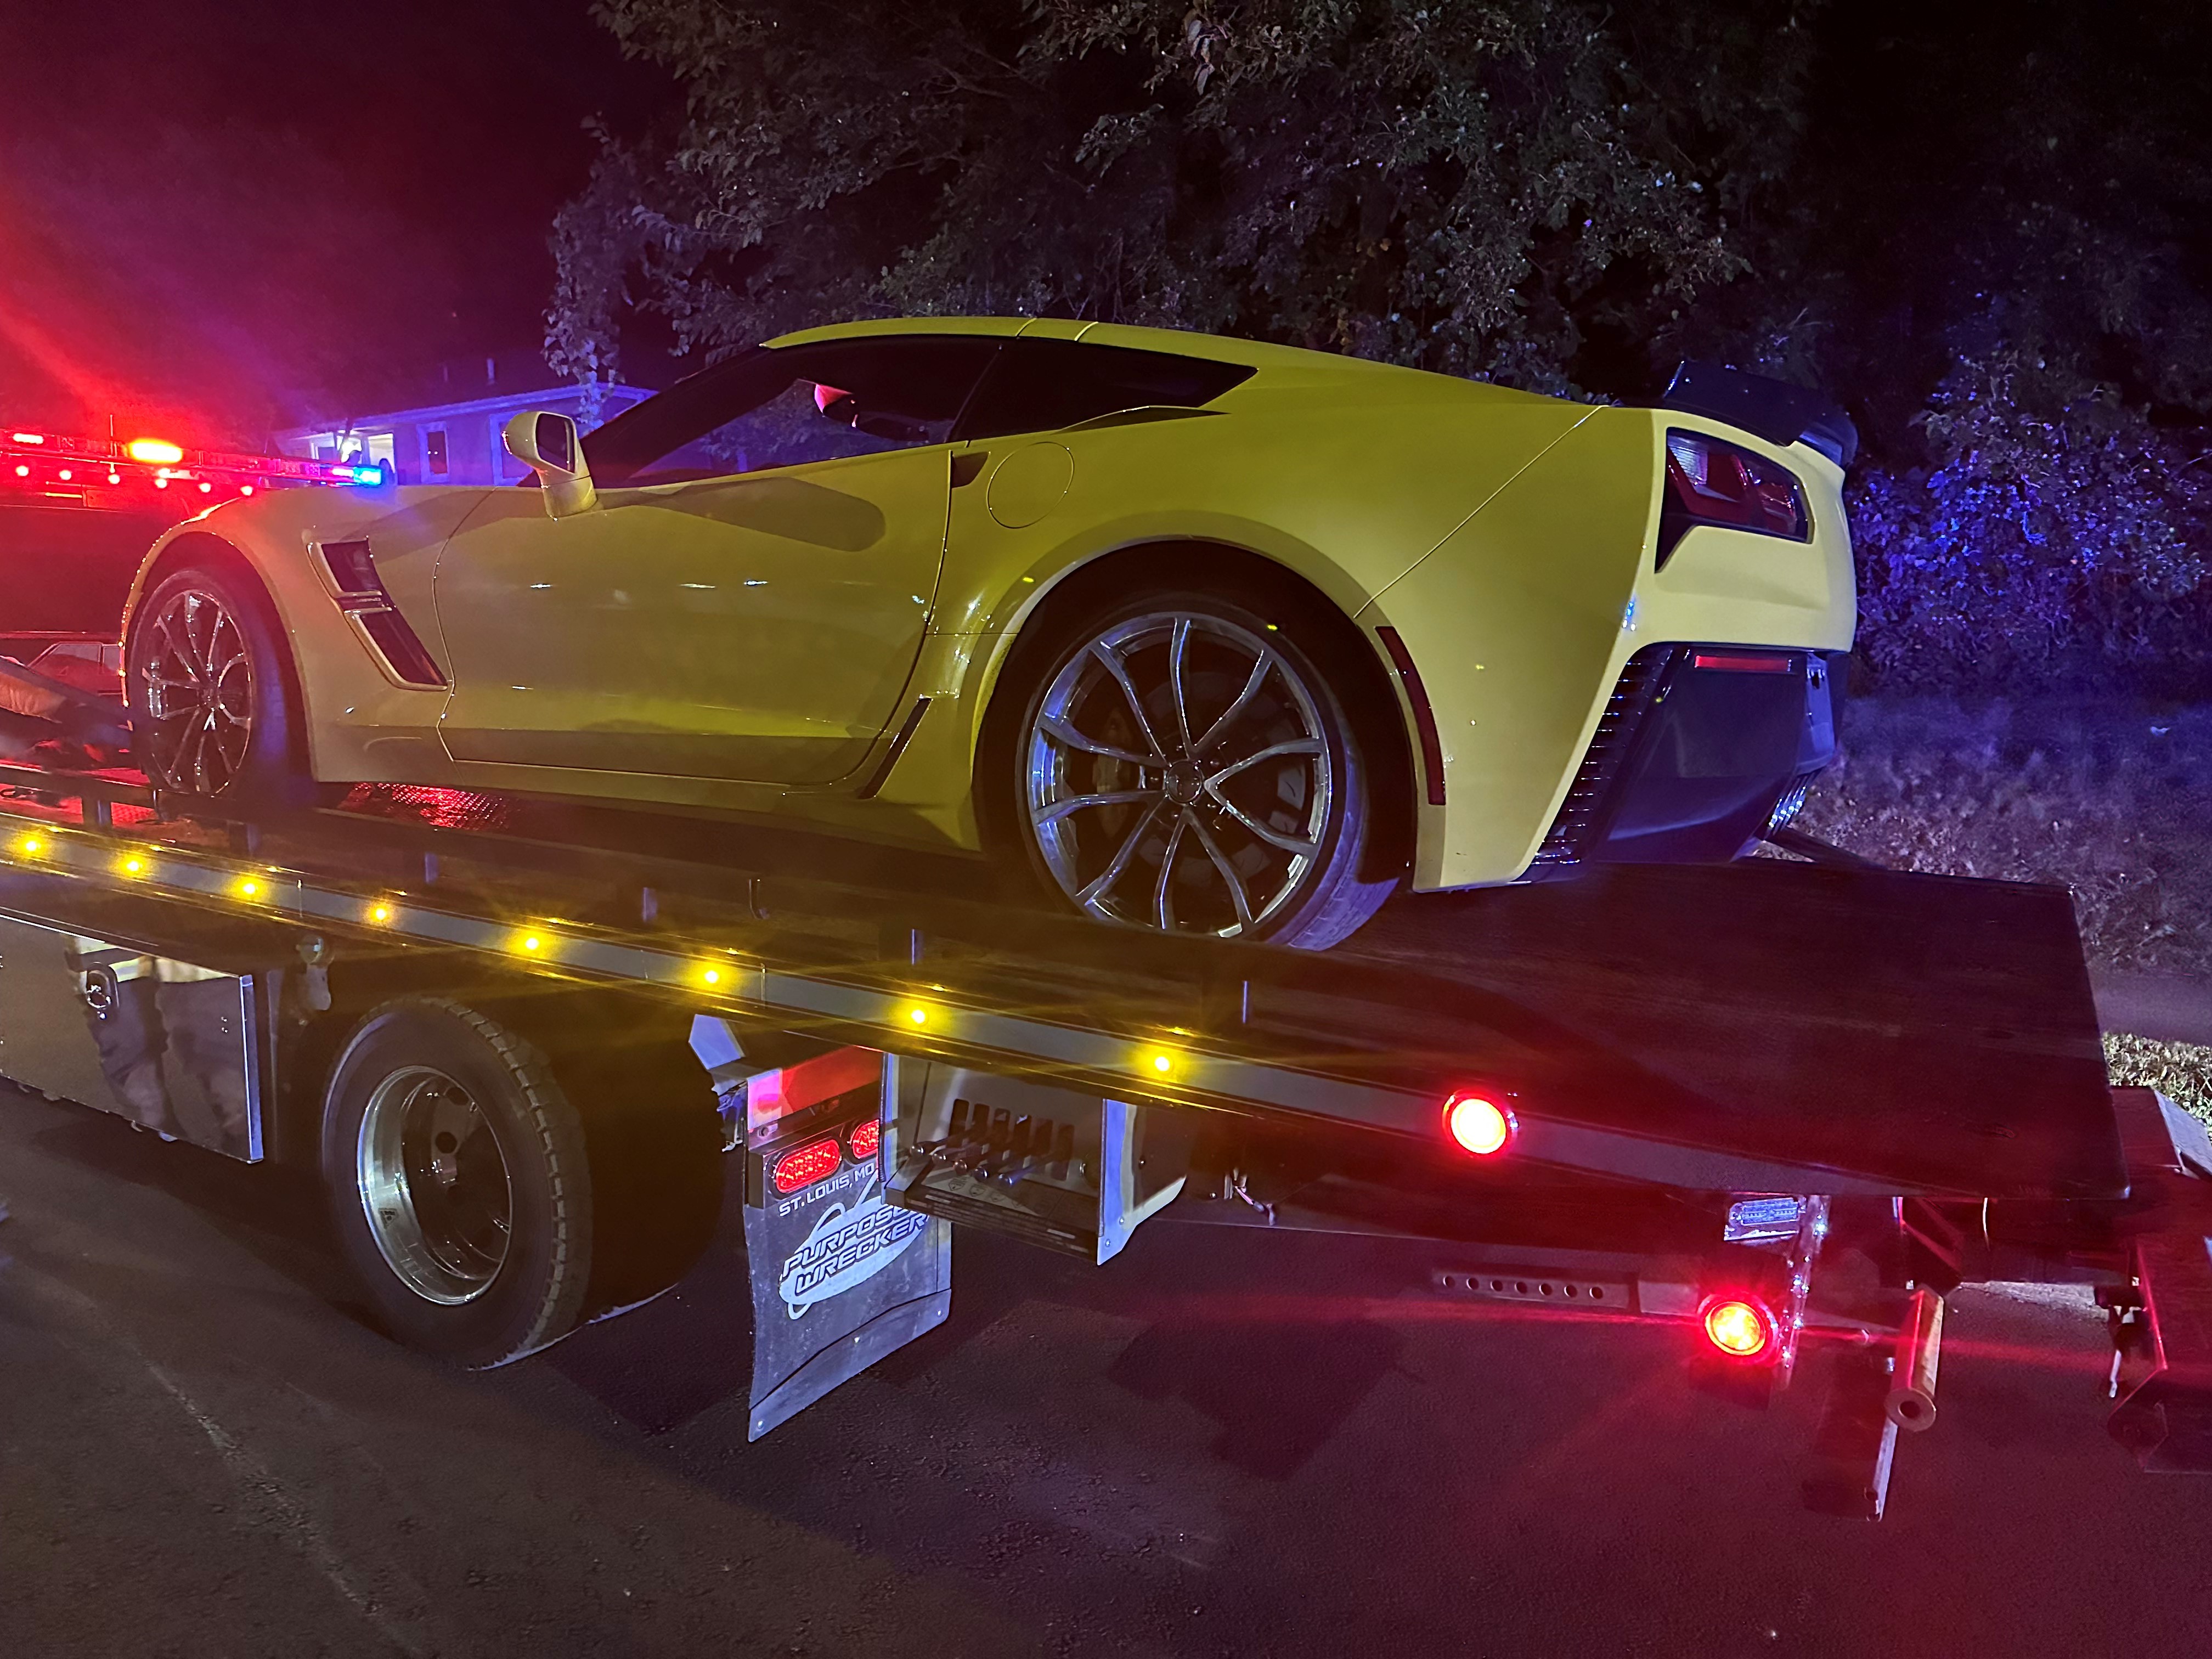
{"points": [[435, 1186], [1176, 776], [196, 685]]}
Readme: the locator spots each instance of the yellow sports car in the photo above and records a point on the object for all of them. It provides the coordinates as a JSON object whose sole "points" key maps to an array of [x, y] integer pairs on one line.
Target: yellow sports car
{"points": [[1197, 635]]}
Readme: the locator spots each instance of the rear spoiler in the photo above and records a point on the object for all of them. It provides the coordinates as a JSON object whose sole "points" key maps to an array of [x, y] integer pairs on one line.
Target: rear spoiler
{"points": [[1773, 410]]}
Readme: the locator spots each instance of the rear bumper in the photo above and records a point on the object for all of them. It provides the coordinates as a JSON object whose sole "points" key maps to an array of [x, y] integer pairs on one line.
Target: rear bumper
{"points": [[1702, 749]]}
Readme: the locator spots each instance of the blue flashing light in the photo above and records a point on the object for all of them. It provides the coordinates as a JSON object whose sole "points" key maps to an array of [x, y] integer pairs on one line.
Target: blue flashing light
{"points": [[366, 475]]}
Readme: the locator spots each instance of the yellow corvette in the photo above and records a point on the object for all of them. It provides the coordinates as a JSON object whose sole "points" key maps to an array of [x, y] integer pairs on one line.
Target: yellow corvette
{"points": [[1202, 635]]}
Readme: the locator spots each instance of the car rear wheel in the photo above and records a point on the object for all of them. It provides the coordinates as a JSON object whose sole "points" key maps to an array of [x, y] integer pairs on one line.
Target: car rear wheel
{"points": [[213, 712], [1181, 765]]}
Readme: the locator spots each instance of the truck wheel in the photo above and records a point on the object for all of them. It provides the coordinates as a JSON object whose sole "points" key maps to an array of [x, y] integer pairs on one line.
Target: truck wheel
{"points": [[458, 1171]]}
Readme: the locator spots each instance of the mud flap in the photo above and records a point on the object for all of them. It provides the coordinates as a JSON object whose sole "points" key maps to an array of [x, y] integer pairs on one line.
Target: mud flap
{"points": [[839, 1277]]}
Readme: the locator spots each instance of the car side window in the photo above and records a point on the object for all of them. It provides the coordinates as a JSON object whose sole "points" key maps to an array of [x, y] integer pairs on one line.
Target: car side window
{"points": [[1040, 385], [792, 406]]}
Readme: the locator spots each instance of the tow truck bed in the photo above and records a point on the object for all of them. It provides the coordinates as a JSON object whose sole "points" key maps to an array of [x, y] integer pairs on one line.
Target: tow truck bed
{"points": [[1759, 1056]]}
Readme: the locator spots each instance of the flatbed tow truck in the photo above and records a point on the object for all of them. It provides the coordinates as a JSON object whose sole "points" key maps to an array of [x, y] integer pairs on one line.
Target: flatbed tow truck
{"points": [[1785, 1107]]}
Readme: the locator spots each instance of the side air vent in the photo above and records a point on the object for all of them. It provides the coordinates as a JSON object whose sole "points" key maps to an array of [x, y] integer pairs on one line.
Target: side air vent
{"points": [[1615, 738], [351, 569]]}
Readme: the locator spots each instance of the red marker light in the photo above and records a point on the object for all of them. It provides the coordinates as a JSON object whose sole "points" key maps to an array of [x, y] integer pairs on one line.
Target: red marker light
{"points": [[1739, 1327], [1478, 1125], [865, 1141], [22, 471], [815, 1161]]}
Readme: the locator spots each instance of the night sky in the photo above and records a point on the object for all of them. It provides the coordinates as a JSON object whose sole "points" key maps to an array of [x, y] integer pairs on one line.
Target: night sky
{"points": [[221, 216]]}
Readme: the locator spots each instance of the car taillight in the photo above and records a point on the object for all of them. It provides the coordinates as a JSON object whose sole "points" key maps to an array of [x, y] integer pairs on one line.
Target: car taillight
{"points": [[1740, 1327], [865, 1141], [1711, 482], [817, 1160]]}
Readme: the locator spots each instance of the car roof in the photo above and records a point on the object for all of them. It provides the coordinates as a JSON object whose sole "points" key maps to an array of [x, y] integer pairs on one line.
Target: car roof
{"points": [[1277, 363]]}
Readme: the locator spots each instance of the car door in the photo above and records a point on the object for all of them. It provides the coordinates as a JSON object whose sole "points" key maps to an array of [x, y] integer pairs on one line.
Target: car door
{"points": [[746, 602]]}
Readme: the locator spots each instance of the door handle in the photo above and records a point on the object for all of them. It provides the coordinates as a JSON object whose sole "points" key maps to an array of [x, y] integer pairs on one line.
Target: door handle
{"points": [[966, 469]]}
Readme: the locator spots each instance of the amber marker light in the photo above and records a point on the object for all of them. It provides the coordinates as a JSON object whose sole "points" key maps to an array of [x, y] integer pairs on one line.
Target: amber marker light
{"points": [[1478, 1125], [710, 976], [1160, 1062], [531, 943], [246, 887], [29, 846], [1739, 1327], [132, 866], [379, 912], [915, 1013]]}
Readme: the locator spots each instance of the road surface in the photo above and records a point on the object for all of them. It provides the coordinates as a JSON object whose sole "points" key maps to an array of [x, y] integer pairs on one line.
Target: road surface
{"points": [[1223, 1443]]}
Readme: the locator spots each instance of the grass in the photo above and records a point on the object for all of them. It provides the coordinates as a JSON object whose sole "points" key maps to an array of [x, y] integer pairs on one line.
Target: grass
{"points": [[2181, 1072], [2113, 799]]}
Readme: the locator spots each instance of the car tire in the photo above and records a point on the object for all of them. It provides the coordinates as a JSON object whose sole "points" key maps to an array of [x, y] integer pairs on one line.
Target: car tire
{"points": [[215, 704], [459, 1181], [1236, 800]]}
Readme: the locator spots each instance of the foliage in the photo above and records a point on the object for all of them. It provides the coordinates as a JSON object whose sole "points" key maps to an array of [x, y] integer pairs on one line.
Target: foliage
{"points": [[2044, 544], [1471, 188], [2182, 1072]]}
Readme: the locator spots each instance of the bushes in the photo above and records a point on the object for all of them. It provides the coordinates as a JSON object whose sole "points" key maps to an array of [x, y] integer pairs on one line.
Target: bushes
{"points": [[2059, 536]]}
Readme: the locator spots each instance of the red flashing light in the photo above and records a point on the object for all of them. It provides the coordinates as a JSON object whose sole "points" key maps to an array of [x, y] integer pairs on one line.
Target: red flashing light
{"points": [[22, 471], [817, 1160], [1478, 1125], [1741, 1327], [154, 451], [26, 438], [865, 1141]]}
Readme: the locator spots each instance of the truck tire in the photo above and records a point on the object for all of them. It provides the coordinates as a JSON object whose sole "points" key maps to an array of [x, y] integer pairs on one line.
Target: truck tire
{"points": [[460, 1181]]}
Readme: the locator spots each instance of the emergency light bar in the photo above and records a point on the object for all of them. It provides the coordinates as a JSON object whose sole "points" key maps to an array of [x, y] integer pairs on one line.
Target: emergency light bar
{"points": [[46, 459]]}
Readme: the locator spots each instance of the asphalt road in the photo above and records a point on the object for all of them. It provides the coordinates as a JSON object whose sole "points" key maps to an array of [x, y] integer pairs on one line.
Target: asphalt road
{"points": [[1223, 1443]]}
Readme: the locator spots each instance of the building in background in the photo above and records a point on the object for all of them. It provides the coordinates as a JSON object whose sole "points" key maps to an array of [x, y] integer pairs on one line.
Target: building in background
{"points": [[452, 442]]}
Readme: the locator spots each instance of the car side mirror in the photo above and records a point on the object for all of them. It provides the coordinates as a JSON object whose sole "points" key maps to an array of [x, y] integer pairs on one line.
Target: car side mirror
{"points": [[548, 445]]}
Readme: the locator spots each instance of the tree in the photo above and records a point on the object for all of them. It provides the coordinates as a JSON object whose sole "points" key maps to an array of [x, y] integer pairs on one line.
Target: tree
{"points": [[1497, 190]]}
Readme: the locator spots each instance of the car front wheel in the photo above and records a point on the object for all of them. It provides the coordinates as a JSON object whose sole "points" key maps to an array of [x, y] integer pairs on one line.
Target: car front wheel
{"points": [[212, 710]]}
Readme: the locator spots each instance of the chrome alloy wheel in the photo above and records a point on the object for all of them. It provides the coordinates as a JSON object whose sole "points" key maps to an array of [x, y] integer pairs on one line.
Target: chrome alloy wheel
{"points": [[1177, 776], [435, 1186], [196, 682]]}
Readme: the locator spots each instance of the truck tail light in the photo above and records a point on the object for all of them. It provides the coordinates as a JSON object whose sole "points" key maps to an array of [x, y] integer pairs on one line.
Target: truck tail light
{"points": [[817, 1160], [1477, 1124], [1713, 482], [865, 1141], [1740, 1327]]}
